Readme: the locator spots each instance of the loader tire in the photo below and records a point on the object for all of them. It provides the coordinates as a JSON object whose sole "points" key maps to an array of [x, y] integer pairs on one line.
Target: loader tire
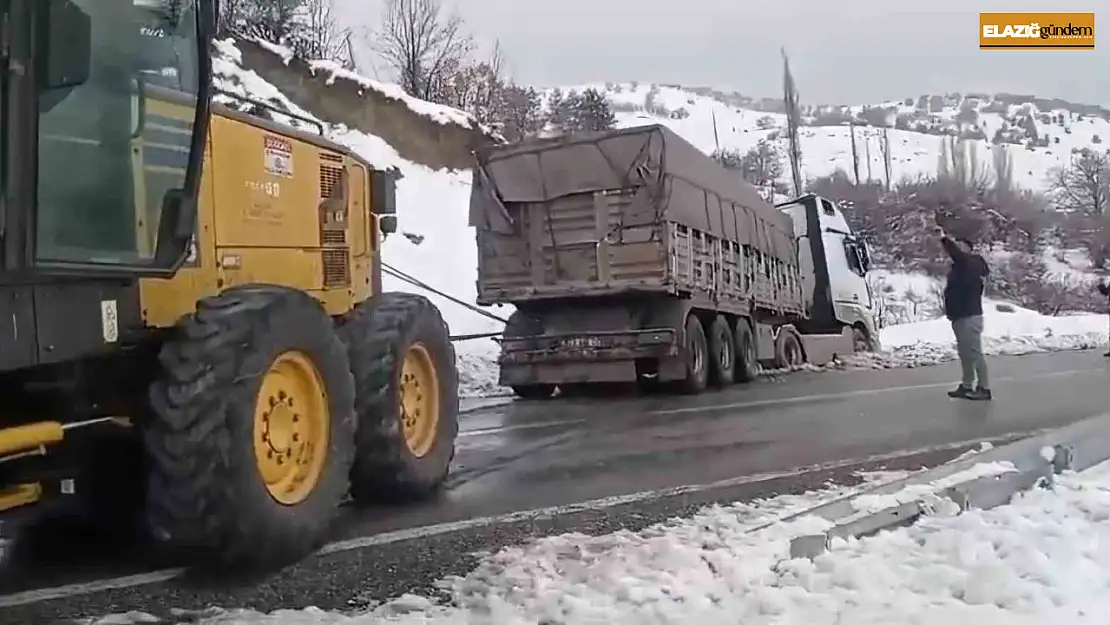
{"points": [[255, 375], [747, 359], [696, 358], [406, 397], [722, 353]]}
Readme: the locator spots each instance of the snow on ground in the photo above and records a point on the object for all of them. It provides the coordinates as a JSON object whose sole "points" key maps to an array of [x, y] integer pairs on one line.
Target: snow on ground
{"points": [[1042, 558], [926, 336], [1008, 329], [431, 204]]}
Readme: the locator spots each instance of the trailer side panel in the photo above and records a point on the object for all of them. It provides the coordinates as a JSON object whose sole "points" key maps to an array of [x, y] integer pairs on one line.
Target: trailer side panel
{"points": [[635, 210]]}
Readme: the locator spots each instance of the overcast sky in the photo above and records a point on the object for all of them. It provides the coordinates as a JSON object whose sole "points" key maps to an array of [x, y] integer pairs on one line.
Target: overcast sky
{"points": [[841, 52]]}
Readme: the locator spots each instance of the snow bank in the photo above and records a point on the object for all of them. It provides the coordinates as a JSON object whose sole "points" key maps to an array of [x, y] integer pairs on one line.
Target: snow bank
{"points": [[1043, 558], [925, 336], [611, 579], [431, 204], [1008, 330]]}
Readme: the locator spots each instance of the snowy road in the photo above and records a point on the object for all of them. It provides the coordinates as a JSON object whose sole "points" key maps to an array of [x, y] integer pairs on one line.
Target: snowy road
{"points": [[527, 456]]}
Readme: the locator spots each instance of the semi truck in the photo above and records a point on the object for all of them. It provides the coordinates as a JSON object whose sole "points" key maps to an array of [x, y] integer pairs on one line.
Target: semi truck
{"points": [[632, 256]]}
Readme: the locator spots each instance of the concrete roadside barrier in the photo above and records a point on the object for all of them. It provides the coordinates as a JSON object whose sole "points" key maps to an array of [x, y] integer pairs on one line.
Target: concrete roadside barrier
{"points": [[983, 481]]}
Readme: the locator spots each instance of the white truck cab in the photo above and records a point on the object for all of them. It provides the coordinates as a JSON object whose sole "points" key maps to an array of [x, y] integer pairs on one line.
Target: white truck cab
{"points": [[836, 288]]}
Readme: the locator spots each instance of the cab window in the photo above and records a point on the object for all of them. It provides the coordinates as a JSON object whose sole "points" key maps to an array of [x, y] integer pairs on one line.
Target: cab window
{"points": [[110, 147]]}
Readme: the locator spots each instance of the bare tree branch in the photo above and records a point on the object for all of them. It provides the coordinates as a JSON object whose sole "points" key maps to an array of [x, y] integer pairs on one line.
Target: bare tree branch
{"points": [[423, 45], [317, 34]]}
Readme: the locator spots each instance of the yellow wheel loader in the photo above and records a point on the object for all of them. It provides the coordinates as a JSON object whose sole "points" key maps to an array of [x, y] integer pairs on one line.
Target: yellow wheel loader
{"points": [[193, 339]]}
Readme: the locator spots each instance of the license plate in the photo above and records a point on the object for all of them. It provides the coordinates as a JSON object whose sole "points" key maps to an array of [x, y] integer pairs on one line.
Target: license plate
{"points": [[582, 342]]}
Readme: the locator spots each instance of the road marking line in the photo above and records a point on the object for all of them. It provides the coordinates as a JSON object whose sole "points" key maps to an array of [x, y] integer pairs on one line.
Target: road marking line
{"points": [[860, 393], [154, 577]]}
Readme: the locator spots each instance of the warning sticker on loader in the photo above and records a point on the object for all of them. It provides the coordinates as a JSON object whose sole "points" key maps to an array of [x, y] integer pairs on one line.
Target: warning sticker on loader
{"points": [[278, 156]]}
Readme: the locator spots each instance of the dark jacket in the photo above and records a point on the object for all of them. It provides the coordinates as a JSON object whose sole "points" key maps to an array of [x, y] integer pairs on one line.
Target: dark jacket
{"points": [[963, 293], [1104, 288]]}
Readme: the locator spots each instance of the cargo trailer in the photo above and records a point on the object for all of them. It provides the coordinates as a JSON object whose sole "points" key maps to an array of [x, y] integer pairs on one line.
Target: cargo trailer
{"points": [[630, 255]]}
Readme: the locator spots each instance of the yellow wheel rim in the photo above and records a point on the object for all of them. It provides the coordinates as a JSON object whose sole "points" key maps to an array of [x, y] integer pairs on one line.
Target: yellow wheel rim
{"points": [[292, 427], [419, 400]]}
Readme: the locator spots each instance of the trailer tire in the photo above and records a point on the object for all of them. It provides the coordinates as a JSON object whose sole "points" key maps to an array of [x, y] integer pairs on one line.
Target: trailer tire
{"points": [[788, 349], [534, 391], [399, 345], [861, 339], [747, 360], [518, 325], [695, 358], [722, 352], [208, 492]]}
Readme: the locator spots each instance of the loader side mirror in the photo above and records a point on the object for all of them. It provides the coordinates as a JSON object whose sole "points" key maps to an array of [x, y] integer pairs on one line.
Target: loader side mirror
{"points": [[66, 46], [176, 229], [387, 224], [383, 189]]}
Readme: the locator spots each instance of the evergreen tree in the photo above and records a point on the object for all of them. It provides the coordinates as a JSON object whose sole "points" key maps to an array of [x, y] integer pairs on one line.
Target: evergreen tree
{"points": [[594, 112]]}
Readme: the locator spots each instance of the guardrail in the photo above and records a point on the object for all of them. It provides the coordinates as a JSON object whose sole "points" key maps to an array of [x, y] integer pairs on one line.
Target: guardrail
{"points": [[985, 480]]}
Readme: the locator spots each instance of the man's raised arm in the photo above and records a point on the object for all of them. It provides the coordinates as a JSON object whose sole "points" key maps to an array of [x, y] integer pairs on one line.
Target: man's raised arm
{"points": [[955, 252]]}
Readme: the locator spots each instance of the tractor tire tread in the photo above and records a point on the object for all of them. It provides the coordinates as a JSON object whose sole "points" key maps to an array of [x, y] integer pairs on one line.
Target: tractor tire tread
{"points": [[200, 493], [378, 332]]}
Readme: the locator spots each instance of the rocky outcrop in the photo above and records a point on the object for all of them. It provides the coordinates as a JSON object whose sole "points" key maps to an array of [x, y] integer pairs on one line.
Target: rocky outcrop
{"points": [[417, 136]]}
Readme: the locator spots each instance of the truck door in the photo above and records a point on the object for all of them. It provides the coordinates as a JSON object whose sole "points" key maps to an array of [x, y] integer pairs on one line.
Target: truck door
{"points": [[846, 259]]}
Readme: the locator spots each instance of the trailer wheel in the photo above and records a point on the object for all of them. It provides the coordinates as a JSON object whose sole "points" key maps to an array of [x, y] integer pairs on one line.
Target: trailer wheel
{"points": [[252, 437], [861, 341], [722, 351], [534, 391], [406, 397], [747, 360], [696, 357], [788, 349], [520, 324]]}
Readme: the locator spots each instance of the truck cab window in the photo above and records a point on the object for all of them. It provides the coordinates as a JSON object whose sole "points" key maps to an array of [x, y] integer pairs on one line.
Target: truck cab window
{"points": [[855, 260], [110, 147], [828, 207]]}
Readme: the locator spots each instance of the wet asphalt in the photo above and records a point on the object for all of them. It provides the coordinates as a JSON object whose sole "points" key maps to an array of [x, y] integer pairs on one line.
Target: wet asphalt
{"points": [[522, 456]]}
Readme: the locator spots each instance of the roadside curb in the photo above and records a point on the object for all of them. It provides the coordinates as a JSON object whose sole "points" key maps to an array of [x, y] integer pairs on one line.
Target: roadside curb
{"points": [[983, 481]]}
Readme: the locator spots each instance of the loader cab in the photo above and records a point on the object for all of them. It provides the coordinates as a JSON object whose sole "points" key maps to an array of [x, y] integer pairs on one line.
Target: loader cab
{"points": [[834, 263], [107, 127]]}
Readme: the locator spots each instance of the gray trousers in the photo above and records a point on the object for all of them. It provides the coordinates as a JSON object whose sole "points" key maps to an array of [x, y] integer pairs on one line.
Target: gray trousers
{"points": [[969, 346]]}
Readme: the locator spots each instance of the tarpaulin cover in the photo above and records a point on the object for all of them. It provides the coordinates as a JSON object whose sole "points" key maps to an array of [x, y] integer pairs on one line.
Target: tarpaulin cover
{"points": [[686, 185]]}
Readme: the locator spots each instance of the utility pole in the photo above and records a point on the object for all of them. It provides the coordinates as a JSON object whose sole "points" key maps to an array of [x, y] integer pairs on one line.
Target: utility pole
{"points": [[888, 164], [867, 153], [855, 151], [790, 102], [716, 138]]}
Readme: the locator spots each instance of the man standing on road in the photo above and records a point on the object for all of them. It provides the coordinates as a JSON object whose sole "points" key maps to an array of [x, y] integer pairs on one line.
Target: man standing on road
{"points": [[963, 305], [1104, 288]]}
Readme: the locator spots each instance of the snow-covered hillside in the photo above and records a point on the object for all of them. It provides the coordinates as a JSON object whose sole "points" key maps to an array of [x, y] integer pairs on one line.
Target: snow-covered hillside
{"points": [[709, 121]]}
